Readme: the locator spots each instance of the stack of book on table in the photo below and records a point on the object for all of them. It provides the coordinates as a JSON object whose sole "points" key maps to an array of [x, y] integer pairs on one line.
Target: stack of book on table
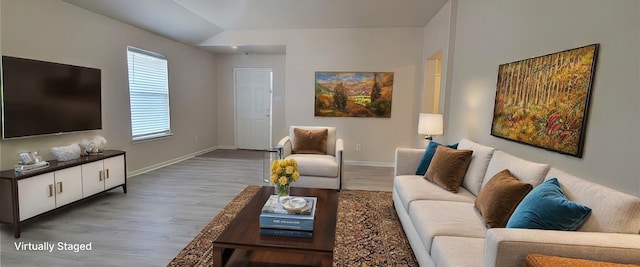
{"points": [[292, 218]]}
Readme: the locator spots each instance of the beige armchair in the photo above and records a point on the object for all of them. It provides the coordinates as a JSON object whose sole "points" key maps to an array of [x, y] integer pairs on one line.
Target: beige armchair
{"points": [[319, 165]]}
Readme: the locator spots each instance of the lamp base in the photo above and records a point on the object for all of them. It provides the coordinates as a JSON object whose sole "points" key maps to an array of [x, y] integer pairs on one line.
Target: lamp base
{"points": [[428, 137]]}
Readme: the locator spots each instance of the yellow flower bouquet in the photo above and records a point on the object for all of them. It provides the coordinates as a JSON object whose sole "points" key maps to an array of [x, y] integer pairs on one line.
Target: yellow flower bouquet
{"points": [[283, 173]]}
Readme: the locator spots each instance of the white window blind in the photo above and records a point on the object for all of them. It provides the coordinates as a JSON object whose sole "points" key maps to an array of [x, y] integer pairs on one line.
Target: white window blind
{"points": [[148, 94]]}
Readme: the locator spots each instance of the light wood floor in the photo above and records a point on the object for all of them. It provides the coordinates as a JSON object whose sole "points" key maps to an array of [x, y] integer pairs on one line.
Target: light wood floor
{"points": [[161, 213]]}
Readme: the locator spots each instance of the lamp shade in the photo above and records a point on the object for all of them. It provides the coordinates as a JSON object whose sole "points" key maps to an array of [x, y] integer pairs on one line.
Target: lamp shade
{"points": [[430, 124]]}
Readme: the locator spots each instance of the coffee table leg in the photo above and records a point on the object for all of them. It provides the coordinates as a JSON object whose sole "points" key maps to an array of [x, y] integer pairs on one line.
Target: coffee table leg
{"points": [[327, 262], [221, 256]]}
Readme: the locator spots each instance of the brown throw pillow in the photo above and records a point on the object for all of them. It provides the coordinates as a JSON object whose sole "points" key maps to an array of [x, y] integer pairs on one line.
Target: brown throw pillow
{"points": [[310, 141], [497, 200], [448, 167]]}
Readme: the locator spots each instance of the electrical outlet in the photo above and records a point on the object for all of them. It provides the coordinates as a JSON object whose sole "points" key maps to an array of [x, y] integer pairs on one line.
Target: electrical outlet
{"points": [[196, 139], [358, 147]]}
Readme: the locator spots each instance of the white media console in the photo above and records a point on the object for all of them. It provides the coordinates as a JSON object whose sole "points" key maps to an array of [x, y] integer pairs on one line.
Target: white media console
{"points": [[25, 196]]}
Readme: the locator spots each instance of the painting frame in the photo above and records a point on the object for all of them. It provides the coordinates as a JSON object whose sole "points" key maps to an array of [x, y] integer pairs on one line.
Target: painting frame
{"points": [[353, 94], [544, 101]]}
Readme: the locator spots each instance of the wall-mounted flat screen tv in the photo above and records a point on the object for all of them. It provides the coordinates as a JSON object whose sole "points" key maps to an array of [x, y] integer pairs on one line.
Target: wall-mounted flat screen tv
{"points": [[45, 98]]}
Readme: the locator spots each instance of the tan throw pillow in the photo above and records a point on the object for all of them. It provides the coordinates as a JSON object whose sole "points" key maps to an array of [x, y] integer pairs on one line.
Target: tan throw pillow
{"points": [[497, 200], [448, 167], [310, 141]]}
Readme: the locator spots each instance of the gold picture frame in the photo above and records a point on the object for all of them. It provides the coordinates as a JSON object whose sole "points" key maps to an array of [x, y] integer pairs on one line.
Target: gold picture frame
{"points": [[353, 94], [544, 101]]}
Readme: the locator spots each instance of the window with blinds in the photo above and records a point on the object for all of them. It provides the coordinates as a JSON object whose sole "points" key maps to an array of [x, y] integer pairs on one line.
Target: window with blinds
{"points": [[148, 94]]}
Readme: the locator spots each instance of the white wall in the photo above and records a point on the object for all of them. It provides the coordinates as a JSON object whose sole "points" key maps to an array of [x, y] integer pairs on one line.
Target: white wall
{"points": [[226, 102], [437, 38], [492, 32], [59, 32], [397, 50]]}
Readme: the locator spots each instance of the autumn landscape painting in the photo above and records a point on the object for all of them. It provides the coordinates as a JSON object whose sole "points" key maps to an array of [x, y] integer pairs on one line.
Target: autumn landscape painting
{"points": [[353, 94], [543, 101]]}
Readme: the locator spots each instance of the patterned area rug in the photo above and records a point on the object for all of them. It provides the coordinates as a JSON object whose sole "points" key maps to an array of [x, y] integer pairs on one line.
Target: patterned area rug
{"points": [[368, 232]]}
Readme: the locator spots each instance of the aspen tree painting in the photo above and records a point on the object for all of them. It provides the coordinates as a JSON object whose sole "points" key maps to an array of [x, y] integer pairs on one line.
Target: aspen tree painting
{"points": [[353, 94], [544, 101]]}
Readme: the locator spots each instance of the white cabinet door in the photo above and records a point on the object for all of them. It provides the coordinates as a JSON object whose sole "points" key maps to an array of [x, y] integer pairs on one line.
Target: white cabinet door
{"points": [[36, 195], [114, 169], [68, 185], [92, 178]]}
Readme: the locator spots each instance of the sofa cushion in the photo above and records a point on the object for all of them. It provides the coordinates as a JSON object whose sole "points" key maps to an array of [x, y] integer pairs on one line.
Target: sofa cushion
{"points": [[310, 141], [448, 167], [611, 211], [457, 251], [414, 187], [316, 165], [428, 156], [500, 197], [433, 218], [478, 166], [527, 171], [547, 207]]}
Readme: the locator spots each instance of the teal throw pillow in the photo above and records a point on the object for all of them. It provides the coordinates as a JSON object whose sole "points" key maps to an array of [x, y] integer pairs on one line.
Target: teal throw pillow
{"points": [[547, 207], [428, 156]]}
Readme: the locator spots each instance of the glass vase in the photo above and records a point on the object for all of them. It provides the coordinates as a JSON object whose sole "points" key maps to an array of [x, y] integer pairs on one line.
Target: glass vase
{"points": [[282, 190]]}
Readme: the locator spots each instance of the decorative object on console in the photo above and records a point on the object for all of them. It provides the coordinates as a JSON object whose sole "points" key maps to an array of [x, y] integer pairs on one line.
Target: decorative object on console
{"points": [[544, 101], [430, 124], [30, 161], [64, 153], [94, 146], [283, 173], [353, 94]]}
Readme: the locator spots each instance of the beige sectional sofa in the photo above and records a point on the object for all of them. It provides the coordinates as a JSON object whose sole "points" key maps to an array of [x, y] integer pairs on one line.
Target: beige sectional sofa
{"points": [[445, 228]]}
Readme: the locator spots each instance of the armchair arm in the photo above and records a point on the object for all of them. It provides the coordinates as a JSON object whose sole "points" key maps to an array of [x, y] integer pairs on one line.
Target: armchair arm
{"points": [[407, 160], [285, 143], [340, 160], [510, 247]]}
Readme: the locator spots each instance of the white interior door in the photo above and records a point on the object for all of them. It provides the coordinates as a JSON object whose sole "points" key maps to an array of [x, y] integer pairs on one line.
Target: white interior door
{"points": [[253, 89]]}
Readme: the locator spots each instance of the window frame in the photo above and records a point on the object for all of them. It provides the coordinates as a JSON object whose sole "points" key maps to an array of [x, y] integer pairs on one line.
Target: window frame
{"points": [[148, 95]]}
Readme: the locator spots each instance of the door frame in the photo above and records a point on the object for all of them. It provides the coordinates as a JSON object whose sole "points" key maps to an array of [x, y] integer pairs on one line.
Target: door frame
{"points": [[235, 105]]}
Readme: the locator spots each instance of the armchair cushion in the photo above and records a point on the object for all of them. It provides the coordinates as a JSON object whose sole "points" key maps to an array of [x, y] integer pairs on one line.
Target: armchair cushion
{"points": [[316, 165], [331, 136], [310, 141]]}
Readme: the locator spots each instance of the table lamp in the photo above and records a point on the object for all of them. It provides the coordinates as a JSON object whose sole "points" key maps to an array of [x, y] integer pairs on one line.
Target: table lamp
{"points": [[430, 124]]}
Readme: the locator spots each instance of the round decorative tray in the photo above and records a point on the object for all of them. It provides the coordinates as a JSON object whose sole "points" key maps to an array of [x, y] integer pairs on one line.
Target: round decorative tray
{"points": [[294, 203]]}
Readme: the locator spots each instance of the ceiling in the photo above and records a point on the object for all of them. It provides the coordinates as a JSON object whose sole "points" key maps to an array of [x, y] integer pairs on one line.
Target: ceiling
{"points": [[195, 21]]}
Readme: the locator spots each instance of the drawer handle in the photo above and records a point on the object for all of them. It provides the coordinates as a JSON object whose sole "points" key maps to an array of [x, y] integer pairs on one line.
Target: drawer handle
{"points": [[51, 190], [100, 175], [59, 187], [107, 174]]}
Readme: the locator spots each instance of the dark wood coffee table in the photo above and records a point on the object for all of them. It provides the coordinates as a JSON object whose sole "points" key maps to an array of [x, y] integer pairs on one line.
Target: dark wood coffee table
{"points": [[241, 244]]}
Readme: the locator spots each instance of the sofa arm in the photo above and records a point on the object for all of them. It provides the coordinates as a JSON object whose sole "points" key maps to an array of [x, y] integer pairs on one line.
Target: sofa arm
{"points": [[510, 247], [285, 143], [407, 160]]}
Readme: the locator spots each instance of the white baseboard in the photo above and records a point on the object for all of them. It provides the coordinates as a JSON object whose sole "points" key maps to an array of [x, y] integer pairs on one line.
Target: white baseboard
{"points": [[368, 163], [207, 150], [169, 162]]}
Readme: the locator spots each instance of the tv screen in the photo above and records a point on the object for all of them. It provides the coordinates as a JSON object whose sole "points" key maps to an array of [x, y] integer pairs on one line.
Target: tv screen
{"points": [[41, 98]]}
